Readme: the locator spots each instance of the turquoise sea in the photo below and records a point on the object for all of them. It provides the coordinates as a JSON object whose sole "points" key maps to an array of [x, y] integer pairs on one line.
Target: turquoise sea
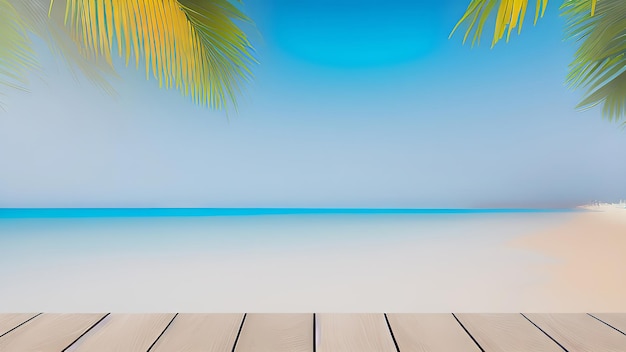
{"points": [[265, 259], [192, 212]]}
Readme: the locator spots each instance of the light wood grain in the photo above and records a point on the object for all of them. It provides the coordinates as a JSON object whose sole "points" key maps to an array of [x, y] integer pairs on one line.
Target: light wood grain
{"points": [[430, 333], [353, 332], [10, 321], [123, 332], [616, 320], [200, 332], [48, 332], [276, 333], [506, 333], [580, 332]]}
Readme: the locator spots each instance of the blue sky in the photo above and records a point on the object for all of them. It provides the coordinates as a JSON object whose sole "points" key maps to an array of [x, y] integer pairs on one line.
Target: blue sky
{"points": [[353, 104]]}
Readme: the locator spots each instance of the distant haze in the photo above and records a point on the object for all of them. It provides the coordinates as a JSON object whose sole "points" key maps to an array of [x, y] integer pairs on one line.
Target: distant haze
{"points": [[367, 108]]}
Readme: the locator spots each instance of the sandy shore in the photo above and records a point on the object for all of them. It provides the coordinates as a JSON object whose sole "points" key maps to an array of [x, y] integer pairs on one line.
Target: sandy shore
{"points": [[541, 262], [588, 267]]}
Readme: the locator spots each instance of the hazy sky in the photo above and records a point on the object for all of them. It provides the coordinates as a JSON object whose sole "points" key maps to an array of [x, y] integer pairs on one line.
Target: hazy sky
{"points": [[354, 103]]}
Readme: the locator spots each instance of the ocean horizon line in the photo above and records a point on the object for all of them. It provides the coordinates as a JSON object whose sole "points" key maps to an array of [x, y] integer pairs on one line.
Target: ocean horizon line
{"points": [[207, 212]]}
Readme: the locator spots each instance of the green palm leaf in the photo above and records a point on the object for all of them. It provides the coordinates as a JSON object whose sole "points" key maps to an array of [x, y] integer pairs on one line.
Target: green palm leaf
{"points": [[50, 26], [16, 55], [600, 61], [511, 14], [194, 46]]}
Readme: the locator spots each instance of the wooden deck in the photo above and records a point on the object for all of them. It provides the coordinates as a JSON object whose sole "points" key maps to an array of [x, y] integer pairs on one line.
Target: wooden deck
{"points": [[313, 332]]}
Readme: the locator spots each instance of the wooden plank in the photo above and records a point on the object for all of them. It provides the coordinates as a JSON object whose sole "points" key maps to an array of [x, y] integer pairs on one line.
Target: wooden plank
{"points": [[11, 321], [580, 332], [200, 332], [353, 332], [430, 333], [616, 320], [276, 333], [506, 332], [124, 332], [48, 332]]}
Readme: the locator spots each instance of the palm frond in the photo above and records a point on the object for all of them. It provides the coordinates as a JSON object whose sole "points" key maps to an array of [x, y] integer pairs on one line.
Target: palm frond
{"points": [[16, 55], [511, 14], [194, 46], [600, 61], [50, 26]]}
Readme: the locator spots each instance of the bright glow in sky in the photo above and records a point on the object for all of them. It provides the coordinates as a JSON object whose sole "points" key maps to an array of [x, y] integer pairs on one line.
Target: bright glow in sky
{"points": [[356, 38], [360, 104]]}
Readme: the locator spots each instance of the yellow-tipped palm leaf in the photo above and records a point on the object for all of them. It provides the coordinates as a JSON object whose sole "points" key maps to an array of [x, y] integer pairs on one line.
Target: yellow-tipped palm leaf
{"points": [[510, 14], [600, 61], [192, 45], [16, 56], [50, 26]]}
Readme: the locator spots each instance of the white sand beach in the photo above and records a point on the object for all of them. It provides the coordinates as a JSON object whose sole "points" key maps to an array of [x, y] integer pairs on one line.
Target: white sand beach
{"points": [[562, 262]]}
